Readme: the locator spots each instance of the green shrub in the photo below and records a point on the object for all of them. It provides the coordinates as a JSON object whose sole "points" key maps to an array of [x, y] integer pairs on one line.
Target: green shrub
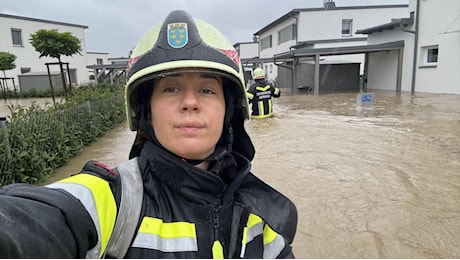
{"points": [[40, 139]]}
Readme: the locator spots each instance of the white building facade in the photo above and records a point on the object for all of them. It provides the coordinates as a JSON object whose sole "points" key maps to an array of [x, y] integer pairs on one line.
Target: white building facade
{"points": [[15, 32], [431, 54], [328, 27]]}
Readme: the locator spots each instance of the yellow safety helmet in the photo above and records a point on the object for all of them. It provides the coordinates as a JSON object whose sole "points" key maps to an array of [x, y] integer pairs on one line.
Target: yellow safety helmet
{"points": [[258, 73], [183, 43]]}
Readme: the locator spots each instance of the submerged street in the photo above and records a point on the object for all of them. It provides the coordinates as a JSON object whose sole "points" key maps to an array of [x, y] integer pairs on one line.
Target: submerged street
{"points": [[369, 182]]}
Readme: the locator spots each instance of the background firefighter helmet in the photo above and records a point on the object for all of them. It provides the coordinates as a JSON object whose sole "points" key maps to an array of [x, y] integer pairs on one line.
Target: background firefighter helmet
{"points": [[258, 74], [183, 43]]}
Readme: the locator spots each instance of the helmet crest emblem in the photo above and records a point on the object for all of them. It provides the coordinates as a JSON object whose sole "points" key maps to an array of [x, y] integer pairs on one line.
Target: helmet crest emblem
{"points": [[177, 35]]}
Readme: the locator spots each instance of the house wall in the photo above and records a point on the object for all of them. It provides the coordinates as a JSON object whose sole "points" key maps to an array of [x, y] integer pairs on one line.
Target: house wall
{"points": [[92, 57], [439, 25], [383, 70], [247, 49], [26, 55], [383, 65], [327, 24]]}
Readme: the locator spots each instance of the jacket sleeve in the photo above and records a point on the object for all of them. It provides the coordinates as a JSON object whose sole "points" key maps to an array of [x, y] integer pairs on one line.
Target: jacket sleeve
{"points": [[277, 212], [276, 92], [251, 92], [38, 222]]}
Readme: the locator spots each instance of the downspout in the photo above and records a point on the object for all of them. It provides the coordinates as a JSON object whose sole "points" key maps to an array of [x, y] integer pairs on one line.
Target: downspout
{"points": [[294, 61], [414, 63]]}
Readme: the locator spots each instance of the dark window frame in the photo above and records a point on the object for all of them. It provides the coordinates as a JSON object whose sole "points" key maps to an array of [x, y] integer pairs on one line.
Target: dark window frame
{"points": [[16, 37]]}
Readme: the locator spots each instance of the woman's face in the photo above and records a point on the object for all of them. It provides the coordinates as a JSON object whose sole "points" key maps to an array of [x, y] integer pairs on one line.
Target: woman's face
{"points": [[188, 112]]}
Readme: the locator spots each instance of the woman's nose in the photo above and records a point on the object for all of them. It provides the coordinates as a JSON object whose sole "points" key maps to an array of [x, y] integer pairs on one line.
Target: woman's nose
{"points": [[190, 100]]}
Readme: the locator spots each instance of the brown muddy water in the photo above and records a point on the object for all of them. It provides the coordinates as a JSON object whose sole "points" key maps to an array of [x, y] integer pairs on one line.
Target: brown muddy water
{"points": [[380, 181]]}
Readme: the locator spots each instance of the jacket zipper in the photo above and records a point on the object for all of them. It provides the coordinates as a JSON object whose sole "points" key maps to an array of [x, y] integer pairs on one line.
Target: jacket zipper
{"points": [[216, 222]]}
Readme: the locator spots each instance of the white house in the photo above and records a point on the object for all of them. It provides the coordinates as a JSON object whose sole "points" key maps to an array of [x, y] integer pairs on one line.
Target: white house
{"points": [[15, 32], [247, 51], [429, 60], [291, 45]]}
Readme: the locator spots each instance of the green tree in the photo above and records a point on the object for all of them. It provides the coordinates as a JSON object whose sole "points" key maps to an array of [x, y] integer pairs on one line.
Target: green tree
{"points": [[7, 61], [51, 43]]}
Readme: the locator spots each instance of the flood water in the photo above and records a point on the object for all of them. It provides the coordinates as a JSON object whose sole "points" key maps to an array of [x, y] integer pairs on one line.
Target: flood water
{"points": [[24, 102], [380, 181]]}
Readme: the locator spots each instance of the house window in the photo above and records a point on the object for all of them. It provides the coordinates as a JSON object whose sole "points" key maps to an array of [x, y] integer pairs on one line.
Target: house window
{"points": [[347, 27], [16, 35], [99, 61], [287, 33], [429, 55], [25, 70], [432, 55], [266, 42]]}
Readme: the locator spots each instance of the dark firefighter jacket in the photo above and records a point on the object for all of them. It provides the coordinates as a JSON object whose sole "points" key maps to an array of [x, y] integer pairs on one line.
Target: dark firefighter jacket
{"points": [[260, 95], [186, 213]]}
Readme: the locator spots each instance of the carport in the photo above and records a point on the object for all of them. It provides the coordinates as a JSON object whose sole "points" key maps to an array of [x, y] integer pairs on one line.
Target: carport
{"points": [[111, 71], [294, 56]]}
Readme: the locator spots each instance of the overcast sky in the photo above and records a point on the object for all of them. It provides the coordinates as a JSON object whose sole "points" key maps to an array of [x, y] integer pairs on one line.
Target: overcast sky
{"points": [[115, 26]]}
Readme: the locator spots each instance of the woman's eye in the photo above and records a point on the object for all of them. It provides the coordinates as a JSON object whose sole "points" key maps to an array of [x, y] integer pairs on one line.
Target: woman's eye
{"points": [[208, 91], [171, 89]]}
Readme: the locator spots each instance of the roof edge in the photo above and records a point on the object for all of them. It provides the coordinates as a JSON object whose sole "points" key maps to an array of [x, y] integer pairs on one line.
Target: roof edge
{"points": [[42, 20]]}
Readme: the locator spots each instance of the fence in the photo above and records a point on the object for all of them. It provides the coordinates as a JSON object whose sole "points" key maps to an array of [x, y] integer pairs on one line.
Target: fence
{"points": [[34, 145]]}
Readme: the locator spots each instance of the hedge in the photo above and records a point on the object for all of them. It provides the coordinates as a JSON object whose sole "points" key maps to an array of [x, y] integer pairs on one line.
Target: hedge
{"points": [[38, 139]]}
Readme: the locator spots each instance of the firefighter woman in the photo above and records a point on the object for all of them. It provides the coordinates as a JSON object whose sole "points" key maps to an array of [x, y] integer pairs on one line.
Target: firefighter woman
{"points": [[260, 95], [187, 190]]}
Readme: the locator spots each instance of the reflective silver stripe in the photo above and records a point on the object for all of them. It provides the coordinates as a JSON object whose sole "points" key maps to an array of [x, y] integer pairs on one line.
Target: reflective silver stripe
{"points": [[254, 231], [85, 196], [156, 242], [132, 191], [274, 248]]}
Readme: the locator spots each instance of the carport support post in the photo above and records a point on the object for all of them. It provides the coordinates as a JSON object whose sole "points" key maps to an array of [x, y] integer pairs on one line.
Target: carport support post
{"points": [[316, 77], [293, 73]]}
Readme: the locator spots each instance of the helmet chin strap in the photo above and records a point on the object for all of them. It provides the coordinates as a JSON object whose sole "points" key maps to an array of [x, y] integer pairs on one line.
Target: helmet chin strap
{"points": [[219, 152]]}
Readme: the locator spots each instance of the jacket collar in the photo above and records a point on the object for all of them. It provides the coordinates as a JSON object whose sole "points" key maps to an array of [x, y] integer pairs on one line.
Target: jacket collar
{"points": [[192, 182]]}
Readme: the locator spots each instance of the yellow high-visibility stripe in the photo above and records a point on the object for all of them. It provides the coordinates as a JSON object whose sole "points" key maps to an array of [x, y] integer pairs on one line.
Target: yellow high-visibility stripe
{"points": [[253, 220], [260, 104], [269, 235], [249, 95], [102, 199], [270, 106], [156, 226], [265, 88], [262, 116], [217, 250], [253, 228], [166, 237], [273, 243]]}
